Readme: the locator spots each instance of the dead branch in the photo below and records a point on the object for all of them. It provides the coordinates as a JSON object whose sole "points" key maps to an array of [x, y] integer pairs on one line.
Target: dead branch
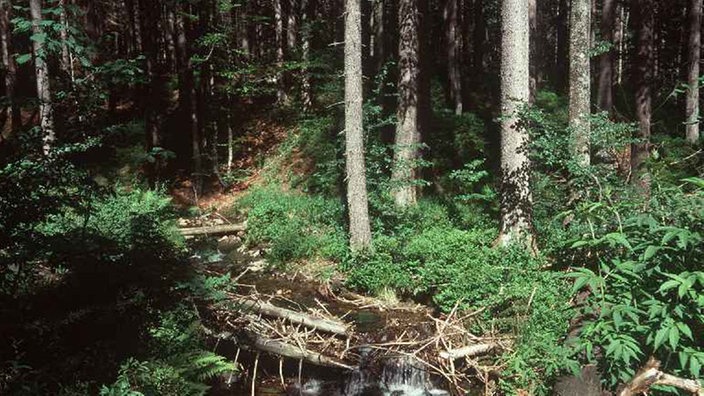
{"points": [[326, 325], [262, 344], [213, 230], [650, 375], [467, 351]]}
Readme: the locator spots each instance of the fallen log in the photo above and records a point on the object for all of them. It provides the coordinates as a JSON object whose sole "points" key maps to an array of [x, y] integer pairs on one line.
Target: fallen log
{"points": [[650, 375], [213, 230], [263, 344], [325, 325], [467, 351]]}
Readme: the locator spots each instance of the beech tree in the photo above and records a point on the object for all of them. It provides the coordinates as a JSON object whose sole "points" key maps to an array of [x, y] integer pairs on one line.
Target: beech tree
{"points": [[579, 111], [695, 27], [407, 133], [360, 229], [41, 69], [516, 197], [9, 66]]}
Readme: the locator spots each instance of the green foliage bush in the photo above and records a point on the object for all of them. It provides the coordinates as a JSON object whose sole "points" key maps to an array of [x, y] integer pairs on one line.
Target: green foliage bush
{"points": [[295, 226], [644, 279], [129, 224]]}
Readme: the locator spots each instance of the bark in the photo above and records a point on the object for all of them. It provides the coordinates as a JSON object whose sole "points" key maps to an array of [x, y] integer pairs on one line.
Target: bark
{"points": [[467, 351], [452, 39], [650, 375], [292, 26], [214, 230], [41, 69], [695, 26], [533, 58], [516, 197], [66, 61], [377, 39], [306, 33], [360, 230], [480, 38], [257, 342], [9, 66], [281, 97], [579, 108], [187, 95], [605, 92], [264, 308], [562, 44], [643, 15], [407, 133]]}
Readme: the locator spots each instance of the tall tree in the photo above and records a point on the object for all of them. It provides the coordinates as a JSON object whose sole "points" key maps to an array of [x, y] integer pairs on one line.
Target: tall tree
{"points": [[281, 96], [360, 229], [605, 92], [41, 69], [454, 75], [516, 197], [695, 28], [9, 65], [305, 37], [407, 133], [579, 109], [644, 20]]}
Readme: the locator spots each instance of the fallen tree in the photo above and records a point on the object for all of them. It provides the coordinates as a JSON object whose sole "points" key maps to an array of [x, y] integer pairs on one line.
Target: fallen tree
{"points": [[252, 341], [213, 230], [264, 308], [467, 351]]}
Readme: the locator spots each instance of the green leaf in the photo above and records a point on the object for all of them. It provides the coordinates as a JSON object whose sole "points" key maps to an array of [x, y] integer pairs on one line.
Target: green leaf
{"points": [[671, 284], [650, 251], [22, 59], [659, 338], [684, 328], [694, 367], [683, 356], [674, 337]]}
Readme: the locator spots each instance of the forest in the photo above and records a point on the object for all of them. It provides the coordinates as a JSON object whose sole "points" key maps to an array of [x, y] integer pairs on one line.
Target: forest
{"points": [[351, 197]]}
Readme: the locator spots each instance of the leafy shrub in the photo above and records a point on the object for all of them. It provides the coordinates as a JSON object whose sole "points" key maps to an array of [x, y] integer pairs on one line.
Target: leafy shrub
{"points": [[130, 224], [645, 284], [294, 225]]}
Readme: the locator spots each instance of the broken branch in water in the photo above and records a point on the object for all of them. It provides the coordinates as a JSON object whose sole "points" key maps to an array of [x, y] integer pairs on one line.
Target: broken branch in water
{"points": [[326, 325], [279, 348], [213, 230], [650, 375]]}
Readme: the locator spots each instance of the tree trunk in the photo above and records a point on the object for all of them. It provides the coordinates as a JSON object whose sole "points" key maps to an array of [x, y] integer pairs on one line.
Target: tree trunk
{"points": [[281, 97], [306, 33], [360, 230], [187, 96], [533, 58], [605, 93], [8, 62], [562, 50], [579, 109], [377, 40], [695, 26], [66, 61], [452, 39], [516, 198], [292, 26], [41, 68], [407, 134], [643, 16]]}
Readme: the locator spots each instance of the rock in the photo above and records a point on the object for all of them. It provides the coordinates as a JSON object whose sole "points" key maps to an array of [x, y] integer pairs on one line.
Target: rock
{"points": [[229, 243], [588, 384]]}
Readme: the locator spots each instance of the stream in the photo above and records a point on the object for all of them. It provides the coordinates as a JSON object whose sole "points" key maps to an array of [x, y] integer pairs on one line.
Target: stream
{"points": [[377, 374]]}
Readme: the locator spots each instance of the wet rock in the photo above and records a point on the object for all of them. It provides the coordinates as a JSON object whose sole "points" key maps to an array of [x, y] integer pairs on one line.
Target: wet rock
{"points": [[587, 384]]}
